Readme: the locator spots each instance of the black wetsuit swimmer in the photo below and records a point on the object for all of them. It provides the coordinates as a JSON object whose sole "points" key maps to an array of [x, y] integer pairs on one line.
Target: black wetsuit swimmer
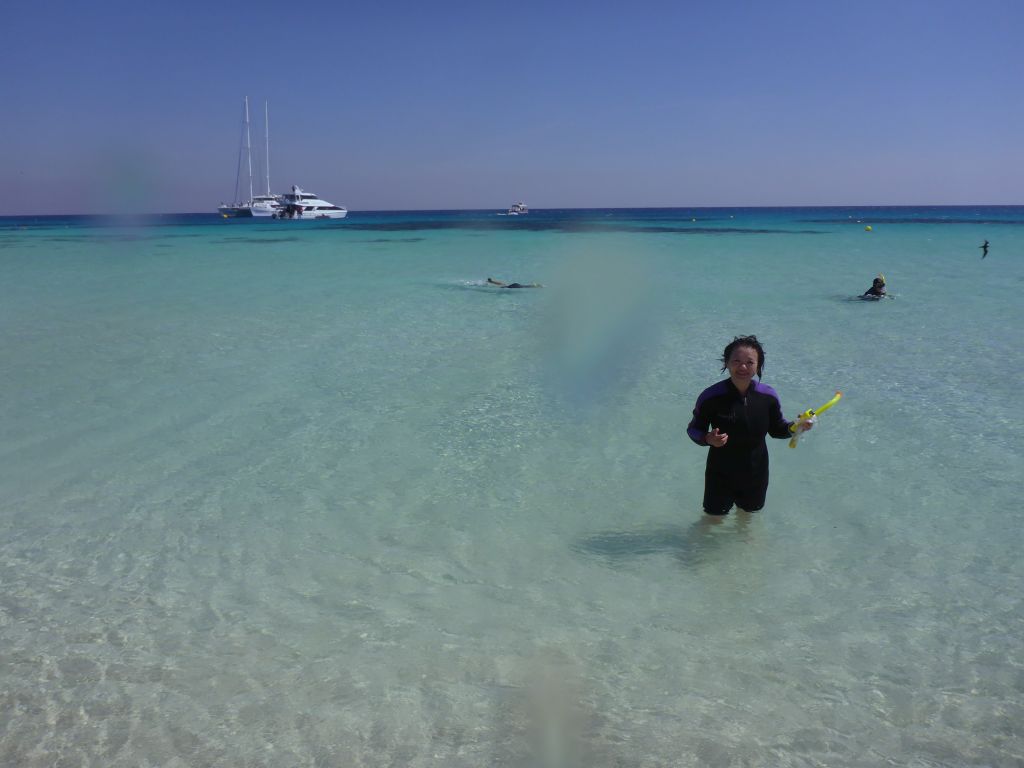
{"points": [[738, 471], [500, 284], [876, 291]]}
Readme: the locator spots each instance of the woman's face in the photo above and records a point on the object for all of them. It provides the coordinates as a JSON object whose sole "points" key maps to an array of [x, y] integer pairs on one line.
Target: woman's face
{"points": [[742, 366]]}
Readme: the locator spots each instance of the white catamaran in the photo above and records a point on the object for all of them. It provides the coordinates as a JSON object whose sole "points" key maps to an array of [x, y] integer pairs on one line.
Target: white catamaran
{"points": [[299, 204], [257, 205]]}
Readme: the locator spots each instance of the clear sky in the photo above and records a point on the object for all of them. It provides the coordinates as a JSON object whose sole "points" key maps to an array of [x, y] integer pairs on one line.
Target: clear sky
{"points": [[400, 105]]}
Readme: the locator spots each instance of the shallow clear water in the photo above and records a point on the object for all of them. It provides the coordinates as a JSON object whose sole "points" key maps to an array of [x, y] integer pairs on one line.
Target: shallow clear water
{"points": [[303, 494]]}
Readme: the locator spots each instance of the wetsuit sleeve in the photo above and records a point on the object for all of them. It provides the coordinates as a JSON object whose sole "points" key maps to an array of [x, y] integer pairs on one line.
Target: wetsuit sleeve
{"points": [[698, 426], [778, 426]]}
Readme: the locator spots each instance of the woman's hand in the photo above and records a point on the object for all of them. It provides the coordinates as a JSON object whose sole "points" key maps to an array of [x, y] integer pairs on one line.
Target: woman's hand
{"points": [[716, 439]]}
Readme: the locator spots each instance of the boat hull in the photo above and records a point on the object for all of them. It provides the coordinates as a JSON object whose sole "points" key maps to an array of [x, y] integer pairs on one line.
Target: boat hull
{"points": [[235, 211], [312, 215]]}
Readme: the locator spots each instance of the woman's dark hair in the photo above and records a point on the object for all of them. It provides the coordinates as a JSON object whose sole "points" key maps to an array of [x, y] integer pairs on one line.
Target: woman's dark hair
{"points": [[744, 341]]}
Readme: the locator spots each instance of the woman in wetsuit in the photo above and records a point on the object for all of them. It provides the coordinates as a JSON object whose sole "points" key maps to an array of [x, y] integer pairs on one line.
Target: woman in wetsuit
{"points": [[732, 419]]}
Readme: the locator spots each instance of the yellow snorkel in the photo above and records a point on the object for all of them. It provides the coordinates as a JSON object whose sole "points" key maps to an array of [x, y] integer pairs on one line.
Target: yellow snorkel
{"points": [[811, 415]]}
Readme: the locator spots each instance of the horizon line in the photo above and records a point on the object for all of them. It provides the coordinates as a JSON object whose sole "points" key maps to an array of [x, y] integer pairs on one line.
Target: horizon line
{"points": [[535, 210]]}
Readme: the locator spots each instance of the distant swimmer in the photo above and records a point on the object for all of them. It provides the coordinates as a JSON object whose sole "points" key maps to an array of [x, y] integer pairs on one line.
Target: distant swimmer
{"points": [[877, 289], [984, 249], [501, 284]]}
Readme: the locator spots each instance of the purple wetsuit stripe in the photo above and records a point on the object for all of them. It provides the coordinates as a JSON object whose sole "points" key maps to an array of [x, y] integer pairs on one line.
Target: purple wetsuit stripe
{"points": [[697, 430], [766, 390]]}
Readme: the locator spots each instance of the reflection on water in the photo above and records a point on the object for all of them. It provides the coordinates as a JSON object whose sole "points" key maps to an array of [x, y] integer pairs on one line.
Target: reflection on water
{"points": [[690, 545]]}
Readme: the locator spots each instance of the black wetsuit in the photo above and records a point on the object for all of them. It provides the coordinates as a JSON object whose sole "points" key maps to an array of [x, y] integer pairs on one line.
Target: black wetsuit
{"points": [[511, 285], [738, 471], [873, 293]]}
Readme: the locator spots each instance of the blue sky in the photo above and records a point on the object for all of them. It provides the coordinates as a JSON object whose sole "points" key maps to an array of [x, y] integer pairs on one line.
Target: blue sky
{"points": [[112, 105]]}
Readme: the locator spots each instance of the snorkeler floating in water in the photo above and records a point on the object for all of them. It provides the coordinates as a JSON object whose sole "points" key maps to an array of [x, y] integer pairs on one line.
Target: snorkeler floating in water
{"points": [[877, 289], [501, 284], [984, 249]]}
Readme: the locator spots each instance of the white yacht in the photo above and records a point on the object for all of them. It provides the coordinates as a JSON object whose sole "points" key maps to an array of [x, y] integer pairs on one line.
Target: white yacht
{"points": [[517, 209], [300, 204]]}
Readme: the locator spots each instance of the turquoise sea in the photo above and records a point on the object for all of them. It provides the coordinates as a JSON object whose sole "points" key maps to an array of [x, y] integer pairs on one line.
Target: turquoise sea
{"points": [[313, 494]]}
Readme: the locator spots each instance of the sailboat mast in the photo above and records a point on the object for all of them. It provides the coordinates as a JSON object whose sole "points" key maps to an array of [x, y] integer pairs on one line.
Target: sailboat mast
{"points": [[266, 140], [248, 146], [238, 169]]}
